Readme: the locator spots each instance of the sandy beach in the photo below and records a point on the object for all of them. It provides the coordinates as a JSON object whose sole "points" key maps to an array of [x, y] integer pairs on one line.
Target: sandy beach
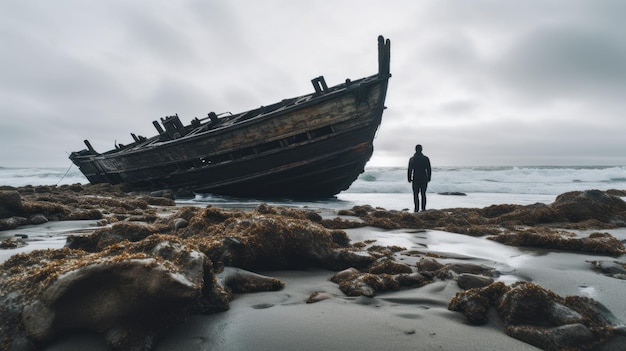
{"points": [[406, 318]]}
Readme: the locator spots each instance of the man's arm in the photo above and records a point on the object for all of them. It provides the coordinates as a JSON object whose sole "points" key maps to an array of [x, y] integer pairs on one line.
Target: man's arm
{"points": [[409, 172], [428, 169]]}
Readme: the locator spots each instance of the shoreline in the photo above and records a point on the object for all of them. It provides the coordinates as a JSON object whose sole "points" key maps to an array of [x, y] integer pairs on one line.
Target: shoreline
{"points": [[393, 319], [388, 201]]}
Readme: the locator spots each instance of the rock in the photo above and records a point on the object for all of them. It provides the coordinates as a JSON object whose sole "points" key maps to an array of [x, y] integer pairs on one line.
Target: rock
{"points": [[452, 193], [529, 215], [616, 192], [340, 238], [269, 241], [37, 219], [104, 237], [578, 206], [242, 281], [469, 281], [560, 314], [130, 292], [76, 187], [569, 336], [428, 265], [12, 222], [597, 243], [141, 291], [412, 280], [538, 316], [475, 303], [595, 206], [180, 223], [613, 269], [390, 267], [11, 201], [453, 270], [319, 296], [367, 284], [79, 214], [344, 275], [11, 243]]}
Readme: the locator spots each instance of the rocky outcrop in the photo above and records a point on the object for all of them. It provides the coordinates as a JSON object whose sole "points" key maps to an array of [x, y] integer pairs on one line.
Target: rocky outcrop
{"points": [[37, 205], [10, 203], [388, 275], [101, 238], [530, 225], [614, 269], [577, 206], [355, 283], [470, 281], [130, 292], [132, 282], [595, 243], [538, 316]]}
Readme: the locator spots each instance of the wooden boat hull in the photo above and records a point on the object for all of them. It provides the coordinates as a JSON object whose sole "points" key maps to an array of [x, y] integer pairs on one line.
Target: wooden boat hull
{"points": [[314, 145]]}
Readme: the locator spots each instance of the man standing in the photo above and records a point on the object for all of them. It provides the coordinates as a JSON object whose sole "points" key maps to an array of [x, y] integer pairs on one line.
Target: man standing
{"points": [[419, 173]]}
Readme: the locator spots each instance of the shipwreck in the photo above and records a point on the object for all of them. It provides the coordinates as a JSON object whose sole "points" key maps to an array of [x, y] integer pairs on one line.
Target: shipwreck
{"points": [[314, 145]]}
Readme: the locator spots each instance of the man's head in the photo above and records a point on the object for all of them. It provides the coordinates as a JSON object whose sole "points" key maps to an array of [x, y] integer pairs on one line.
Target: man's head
{"points": [[418, 148]]}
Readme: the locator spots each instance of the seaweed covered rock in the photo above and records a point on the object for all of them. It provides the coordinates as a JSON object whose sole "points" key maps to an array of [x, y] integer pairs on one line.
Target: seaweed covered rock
{"points": [[596, 243], [252, 240], [586, 209], [10, 203], [311, 215], [236, 280], [384, 275], [101, 238], [533, 214], [389, 266], [453, 270], [470, 281], [475, 303], [268, 241], [368, 284], [578, 206], [12, 243], [15, 212], [201, 221], [75, 202], [128, 292], [614, 269], [271, 242], [539, 316]]}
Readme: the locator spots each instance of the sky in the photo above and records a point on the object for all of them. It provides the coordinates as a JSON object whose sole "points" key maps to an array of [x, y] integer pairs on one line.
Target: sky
{"points": [[476, 82]]}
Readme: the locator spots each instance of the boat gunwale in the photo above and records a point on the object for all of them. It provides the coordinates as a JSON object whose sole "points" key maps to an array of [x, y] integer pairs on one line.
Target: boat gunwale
{"points": [[315, 99]]}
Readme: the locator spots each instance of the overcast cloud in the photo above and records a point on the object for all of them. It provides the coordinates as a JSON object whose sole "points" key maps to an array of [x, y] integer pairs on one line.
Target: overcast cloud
{"points": [[534, 82]]}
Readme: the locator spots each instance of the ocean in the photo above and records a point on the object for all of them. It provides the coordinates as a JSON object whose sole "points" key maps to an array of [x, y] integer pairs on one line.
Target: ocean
{"points": [[387, 187]]}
